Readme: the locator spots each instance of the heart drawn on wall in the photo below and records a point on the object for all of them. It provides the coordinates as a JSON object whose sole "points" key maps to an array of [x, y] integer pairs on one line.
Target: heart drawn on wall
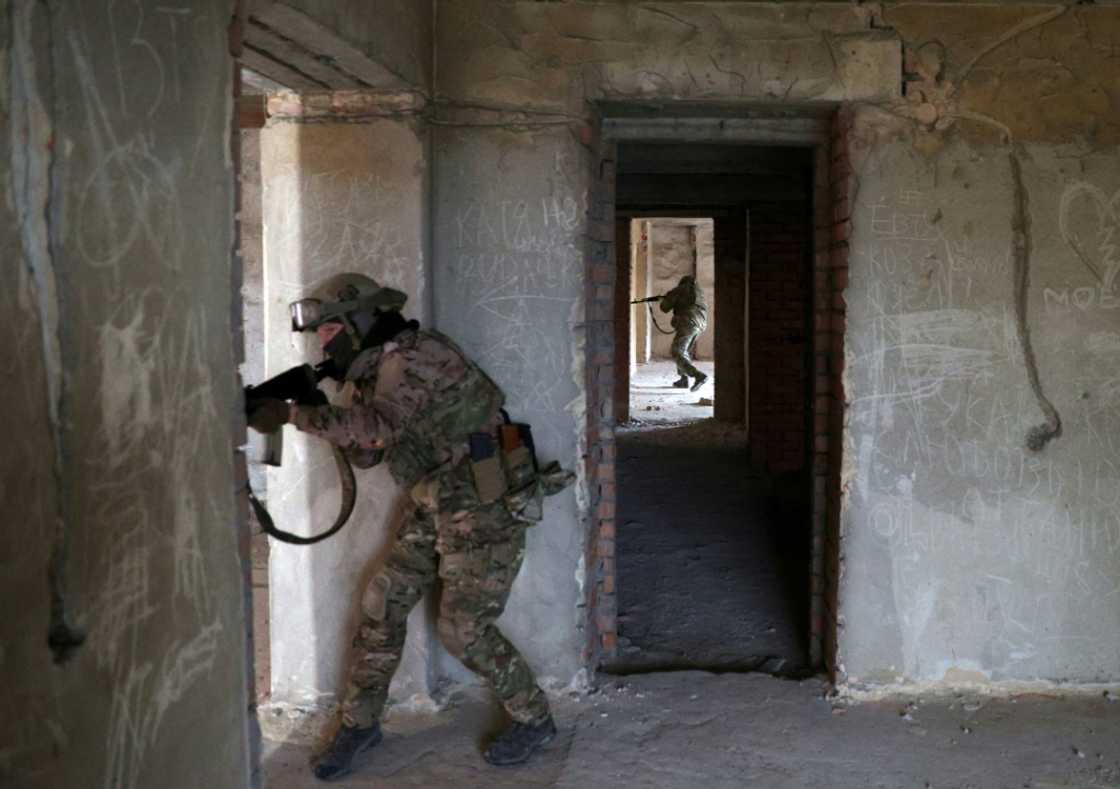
{"points": [[1089, 221]]}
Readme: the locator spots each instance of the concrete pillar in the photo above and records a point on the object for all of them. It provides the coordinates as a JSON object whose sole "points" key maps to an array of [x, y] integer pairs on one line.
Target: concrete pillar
{"points": [[121, 409], [509, 243], [337, 197], [640, 229]]}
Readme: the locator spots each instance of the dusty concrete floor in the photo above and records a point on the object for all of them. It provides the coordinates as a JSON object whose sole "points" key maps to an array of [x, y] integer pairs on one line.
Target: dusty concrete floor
{"points": [[654, 401], [711, 574], [693, 729]]}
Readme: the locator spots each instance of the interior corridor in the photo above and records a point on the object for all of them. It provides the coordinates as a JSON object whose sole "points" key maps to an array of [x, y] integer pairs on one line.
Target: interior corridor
{"points": [[712, 572]]}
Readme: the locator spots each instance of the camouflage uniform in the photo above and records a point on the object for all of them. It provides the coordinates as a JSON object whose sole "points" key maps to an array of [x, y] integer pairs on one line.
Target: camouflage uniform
{"points": [[418, 398], [690, 318]]}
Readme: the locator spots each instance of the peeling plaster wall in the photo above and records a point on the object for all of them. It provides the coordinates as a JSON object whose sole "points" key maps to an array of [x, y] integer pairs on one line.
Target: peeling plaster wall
{"points": [[121, 406], [554, 56], [337, 197], [965, 555]]}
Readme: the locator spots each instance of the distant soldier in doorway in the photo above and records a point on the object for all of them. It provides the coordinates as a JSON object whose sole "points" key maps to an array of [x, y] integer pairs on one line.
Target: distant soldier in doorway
{"points": [[690, 318]]}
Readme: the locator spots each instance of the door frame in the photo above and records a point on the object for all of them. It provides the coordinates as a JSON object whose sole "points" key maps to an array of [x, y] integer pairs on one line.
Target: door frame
{"points": [[815, 128]]}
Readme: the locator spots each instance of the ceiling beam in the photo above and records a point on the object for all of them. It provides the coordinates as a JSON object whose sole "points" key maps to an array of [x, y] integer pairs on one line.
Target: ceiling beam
{"points": [[292, 38]]}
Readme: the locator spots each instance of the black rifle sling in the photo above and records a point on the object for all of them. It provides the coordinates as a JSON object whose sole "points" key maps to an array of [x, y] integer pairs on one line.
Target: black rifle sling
{"points": [[653, 318], [346, 506]]}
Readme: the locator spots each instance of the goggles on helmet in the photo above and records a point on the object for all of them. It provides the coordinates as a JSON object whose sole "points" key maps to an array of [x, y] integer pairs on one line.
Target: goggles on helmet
{"points": [[310, 313]]}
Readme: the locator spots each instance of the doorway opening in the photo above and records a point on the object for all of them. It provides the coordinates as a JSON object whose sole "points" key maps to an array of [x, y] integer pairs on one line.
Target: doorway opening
{"points": [[671, 255], [713, 555]]}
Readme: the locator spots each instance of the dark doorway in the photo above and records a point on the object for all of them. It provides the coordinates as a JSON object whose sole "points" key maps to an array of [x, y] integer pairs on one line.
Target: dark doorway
{"points": [[714, 519]]}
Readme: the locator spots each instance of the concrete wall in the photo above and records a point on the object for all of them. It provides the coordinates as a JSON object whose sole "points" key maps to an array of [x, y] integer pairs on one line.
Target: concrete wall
{"points": [[508, 281], [967, 555], [121, 407], [337, 197], [980, 529], [251, 227]]}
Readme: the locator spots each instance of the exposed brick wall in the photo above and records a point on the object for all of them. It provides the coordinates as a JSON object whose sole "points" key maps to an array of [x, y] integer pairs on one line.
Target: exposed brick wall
{"points": [[602, 605], [779, 335], [831, 323]]}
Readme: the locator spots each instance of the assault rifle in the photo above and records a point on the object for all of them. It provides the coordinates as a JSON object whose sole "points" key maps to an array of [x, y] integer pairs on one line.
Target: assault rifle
{"points": [[648, 301], [299, 385]]}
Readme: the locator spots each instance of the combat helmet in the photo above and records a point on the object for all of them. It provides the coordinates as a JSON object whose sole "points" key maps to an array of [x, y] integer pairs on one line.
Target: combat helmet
{"points": [[354, 300], [368, 313]]}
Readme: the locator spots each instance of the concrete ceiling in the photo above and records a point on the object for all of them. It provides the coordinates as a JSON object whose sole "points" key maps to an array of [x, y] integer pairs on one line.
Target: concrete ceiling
{"points": [[288, 48]]}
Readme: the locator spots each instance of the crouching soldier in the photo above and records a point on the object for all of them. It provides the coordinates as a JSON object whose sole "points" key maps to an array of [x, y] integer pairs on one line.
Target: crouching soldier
{"points": [[437, 420], [690, 318]]}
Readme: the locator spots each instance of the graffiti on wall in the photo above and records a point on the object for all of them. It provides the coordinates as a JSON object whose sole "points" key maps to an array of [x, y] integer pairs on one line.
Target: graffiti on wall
{"points": [[938, 435]]}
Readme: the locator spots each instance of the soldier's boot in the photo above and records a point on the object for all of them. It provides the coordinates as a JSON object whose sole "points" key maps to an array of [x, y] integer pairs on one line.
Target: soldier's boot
{"points": [[337, 760], [698, 382], [517, 743], [681, 383]]}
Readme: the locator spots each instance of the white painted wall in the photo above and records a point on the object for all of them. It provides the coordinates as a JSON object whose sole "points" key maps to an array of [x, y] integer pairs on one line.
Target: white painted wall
{"points": [[336, 197]]}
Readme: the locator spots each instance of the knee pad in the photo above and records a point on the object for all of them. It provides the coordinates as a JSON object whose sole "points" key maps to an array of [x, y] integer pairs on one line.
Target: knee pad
{"points": [[456, 636], [375, 598]]}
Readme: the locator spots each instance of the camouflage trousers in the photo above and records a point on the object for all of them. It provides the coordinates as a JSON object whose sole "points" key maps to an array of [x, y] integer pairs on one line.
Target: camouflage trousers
{"points": [[476, 554], [682, 351]]}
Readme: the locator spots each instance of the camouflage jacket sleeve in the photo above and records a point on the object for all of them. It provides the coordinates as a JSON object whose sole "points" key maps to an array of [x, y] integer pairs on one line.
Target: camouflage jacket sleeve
{"points": [[361, 426], [393, 386], [668, 302]]}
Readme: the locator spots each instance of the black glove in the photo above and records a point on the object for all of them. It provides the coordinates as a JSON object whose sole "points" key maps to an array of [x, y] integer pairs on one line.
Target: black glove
{"points": [[268, 415]]}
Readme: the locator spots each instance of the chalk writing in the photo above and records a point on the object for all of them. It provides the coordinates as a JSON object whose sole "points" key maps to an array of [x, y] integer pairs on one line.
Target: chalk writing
{"points": [[1098, 245], [518, 264], [1087, 298], [938, 407]]}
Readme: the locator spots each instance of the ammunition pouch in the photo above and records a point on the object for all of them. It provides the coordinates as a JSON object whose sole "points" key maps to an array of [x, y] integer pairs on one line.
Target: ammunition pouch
{"points": [[527, 502], [499, 468]]}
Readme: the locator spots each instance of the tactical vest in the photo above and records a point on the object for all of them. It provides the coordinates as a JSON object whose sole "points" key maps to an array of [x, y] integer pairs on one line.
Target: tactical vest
{"points": [[468, 406]]}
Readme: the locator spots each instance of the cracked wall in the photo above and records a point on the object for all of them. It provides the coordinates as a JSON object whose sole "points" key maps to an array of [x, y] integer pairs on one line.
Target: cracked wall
{"points": [[121, 401], [966, 554]]}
